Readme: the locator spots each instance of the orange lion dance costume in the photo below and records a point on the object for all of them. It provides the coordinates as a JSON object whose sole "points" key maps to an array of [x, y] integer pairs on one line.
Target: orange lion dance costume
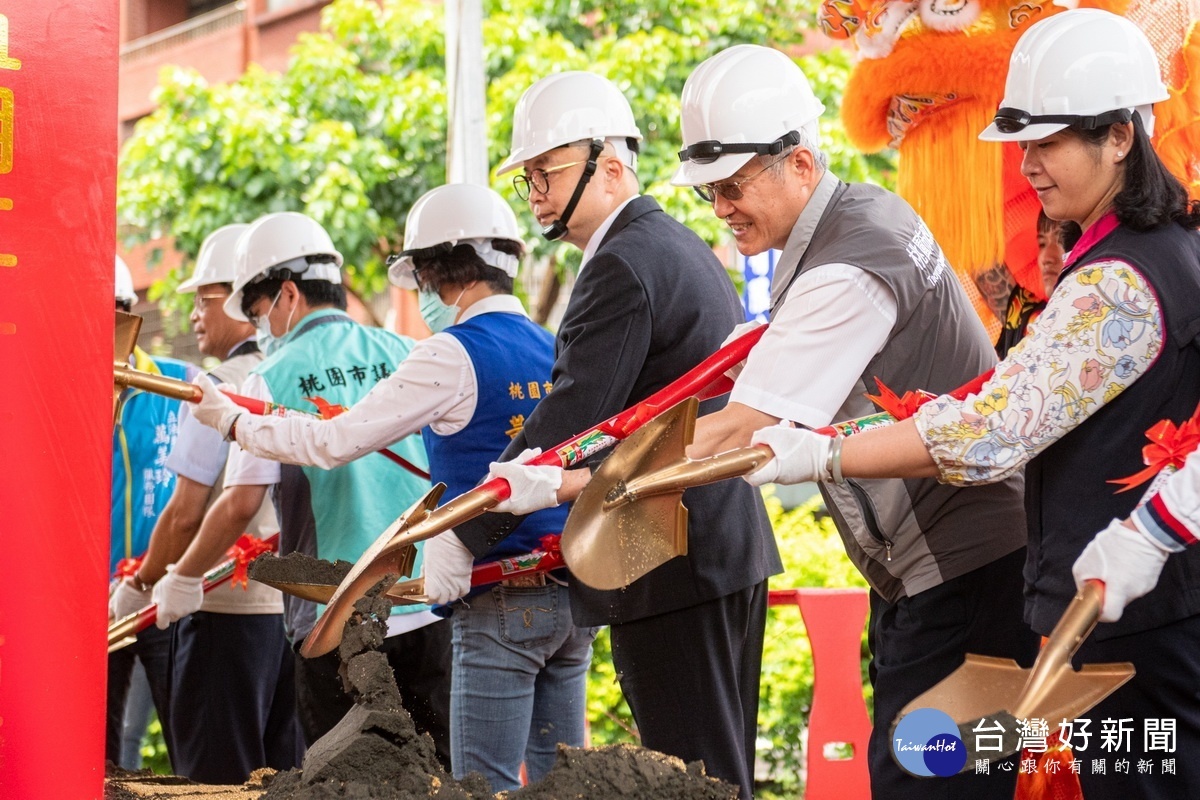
{"points": [[930, 76]]}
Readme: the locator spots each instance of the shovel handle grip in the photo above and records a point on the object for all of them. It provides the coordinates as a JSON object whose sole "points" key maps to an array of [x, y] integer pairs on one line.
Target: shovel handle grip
{"points": [[692, 472], [124, 375], [1075, 625], [706, 380]]}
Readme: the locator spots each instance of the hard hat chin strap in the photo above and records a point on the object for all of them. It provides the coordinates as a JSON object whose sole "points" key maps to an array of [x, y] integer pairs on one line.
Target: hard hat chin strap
{"points": [[558, 229]]}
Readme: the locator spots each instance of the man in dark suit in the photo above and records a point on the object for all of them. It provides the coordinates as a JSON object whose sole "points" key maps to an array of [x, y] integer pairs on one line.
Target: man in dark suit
{"points": [[650, 302]]}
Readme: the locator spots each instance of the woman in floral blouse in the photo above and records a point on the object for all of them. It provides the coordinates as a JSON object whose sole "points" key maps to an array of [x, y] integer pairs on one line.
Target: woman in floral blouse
{"points": [[1116, 350]]}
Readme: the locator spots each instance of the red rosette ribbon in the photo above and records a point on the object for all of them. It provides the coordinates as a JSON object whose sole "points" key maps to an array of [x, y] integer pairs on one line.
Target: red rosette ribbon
{"points": [[244, 550], [1170, 445], [326, 409], [900, 407], [127, 567]]}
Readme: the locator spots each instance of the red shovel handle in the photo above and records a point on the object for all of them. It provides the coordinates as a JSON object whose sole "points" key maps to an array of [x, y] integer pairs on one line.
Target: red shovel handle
{"points": [[704, 381], [262, 408]]}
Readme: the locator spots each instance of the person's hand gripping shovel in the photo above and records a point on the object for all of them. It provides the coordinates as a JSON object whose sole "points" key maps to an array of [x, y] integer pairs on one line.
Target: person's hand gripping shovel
{"points": [[384, 558], [125, 376], [630, 518]]}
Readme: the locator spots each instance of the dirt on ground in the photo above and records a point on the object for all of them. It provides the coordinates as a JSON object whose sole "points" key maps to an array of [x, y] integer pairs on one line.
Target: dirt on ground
{"points": [[376, 753]]}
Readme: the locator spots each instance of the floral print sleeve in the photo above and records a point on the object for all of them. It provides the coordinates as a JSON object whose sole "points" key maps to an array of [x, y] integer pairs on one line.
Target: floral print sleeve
{"points": [[1101, 330]]}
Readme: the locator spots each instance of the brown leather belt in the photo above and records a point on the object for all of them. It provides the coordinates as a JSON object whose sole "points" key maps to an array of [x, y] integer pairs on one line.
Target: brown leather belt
{"points": [[532, 579]]}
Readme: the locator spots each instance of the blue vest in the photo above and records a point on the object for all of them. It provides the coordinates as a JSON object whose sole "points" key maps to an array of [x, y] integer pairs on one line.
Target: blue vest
{"points": [[143, 436], [331, 356], [512, 358]]}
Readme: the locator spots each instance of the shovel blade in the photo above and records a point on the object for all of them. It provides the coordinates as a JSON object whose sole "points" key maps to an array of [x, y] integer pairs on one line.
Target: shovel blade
{"points": [[384, 557], [608, 545], [988, 697], [125, 335], [996, 735], [978, 688], [403, 593], [1076, 693], [613, 549]]}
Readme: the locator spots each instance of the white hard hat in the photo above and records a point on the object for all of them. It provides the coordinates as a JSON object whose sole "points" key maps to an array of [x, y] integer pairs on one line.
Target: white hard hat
{"points": [[457, 212], [1081, 66], [284, 240], [568, 107], [216, 264], [740, 103], [124, 292]]}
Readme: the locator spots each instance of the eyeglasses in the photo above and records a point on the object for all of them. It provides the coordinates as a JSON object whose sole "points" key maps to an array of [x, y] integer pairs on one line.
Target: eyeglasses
{"points": [[200, 303], [731, 190], [538, 180], [710, 150], [248, 307], [1014, 120]]}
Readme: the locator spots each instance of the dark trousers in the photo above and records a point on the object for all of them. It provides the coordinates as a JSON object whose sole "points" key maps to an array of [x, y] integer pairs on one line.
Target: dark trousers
{"points": [[153, 649], [1166, 688], [233, 697], [918, 641], [420, 660], [691, 679]]}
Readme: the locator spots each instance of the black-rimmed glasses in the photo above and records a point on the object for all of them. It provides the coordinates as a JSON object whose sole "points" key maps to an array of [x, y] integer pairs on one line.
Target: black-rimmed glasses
{"points": [[200, 301], [731, 190], [538, 180]]}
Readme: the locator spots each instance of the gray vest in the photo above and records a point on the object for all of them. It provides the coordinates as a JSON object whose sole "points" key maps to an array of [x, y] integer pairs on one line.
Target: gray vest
{"points": [[906, 536]]}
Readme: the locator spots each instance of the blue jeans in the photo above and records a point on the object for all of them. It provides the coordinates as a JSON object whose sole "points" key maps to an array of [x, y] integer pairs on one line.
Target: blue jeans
{"points": [[518, 683]]}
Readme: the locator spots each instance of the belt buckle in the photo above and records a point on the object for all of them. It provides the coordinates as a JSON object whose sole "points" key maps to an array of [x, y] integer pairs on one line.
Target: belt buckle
{"points": [[530, 580]]}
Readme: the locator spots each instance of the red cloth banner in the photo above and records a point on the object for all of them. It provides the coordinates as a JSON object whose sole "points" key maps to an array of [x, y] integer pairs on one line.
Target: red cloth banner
{"points": [[58, 151]]}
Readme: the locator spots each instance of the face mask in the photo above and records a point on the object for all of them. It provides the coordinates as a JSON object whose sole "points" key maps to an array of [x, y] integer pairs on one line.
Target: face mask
{"points": [[267, 342], [437, 314]]}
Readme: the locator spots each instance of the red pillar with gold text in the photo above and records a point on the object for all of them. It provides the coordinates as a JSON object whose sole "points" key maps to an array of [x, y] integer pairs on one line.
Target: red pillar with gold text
{"points": [[58, 101]]}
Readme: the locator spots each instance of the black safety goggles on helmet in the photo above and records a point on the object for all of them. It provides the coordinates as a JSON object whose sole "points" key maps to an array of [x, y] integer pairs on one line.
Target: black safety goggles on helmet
{"points": [[709, 151], [1014, 120], [439, 249]]}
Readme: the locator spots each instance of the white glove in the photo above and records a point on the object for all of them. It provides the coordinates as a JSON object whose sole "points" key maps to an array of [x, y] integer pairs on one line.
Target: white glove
{"points": [[800, 455], [126, 599], [531, 488], [737, 333], [447, 568], [215, 409], [1128, 561], [177, 596]]}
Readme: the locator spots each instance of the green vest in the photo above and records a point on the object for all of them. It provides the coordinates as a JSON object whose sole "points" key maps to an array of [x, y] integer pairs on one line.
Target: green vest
{"points": [[329, 355]]}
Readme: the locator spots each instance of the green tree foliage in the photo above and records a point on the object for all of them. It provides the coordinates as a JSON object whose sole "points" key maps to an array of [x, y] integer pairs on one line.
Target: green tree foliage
{"points": [[354, 131]]}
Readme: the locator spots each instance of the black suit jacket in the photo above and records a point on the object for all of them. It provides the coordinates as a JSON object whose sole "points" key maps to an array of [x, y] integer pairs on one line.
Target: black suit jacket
{"points": [[651, 304]]}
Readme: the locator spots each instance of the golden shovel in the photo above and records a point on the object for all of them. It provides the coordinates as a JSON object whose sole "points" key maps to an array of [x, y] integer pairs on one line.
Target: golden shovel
{"points": [[125, 335], [408, 592], [622, 527], [707, 379], [422, 521], [389, 555], [987, 697]]}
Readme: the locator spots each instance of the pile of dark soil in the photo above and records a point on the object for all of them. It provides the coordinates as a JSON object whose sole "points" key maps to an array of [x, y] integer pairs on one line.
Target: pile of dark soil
{"points": [[622, 771], [298, 568], [376, 753]]}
